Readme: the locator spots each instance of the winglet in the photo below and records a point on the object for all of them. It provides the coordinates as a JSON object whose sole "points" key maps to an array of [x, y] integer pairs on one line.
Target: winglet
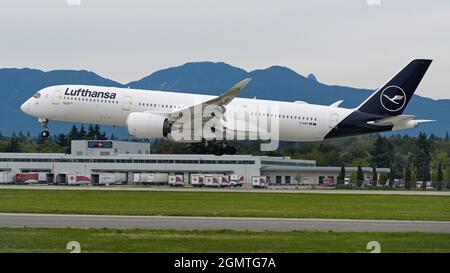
{"points": [[240, 85], [230, 94]]}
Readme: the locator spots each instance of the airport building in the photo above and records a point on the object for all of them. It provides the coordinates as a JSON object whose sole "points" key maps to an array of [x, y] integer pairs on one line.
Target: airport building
{"points": [[128, 162]]}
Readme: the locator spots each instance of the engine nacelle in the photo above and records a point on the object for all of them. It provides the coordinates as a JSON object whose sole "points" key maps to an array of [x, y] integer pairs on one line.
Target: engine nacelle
{"points": [[147, 125]]}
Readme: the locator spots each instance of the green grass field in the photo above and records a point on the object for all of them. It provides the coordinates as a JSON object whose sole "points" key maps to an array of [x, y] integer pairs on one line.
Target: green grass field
{"points": [[302, 205], [135, 240]]}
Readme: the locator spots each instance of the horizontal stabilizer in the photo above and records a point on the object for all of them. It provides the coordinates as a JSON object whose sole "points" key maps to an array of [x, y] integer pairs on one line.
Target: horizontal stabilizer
{"points": [[425, 120], [400, 122], [392, 120]]}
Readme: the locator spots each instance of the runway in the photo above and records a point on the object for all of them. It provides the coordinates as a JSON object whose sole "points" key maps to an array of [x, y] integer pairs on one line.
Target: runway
{"points": [[234, 223]]}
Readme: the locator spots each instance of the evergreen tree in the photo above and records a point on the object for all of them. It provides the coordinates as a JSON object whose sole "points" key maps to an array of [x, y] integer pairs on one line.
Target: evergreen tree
{"points": [[91, 133], [407, 176], [21, 137], [446, 136], [40, 140], [82, 135], [74, 134], [382, 152], [99, 134], [440, 176], [28, 137], [374, 176], [62, 140], [359, 176], [13, 146], [97, 131], [341, 177], [422, 158]]}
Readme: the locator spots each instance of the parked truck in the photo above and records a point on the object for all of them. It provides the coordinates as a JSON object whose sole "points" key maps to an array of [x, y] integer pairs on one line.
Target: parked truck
{"points": [[259, 182], [176, 180], [197, 180], [224, 181], [77, 180], [6, 177], [237, 180], [34, 177], [109, 178], [151, 178], [213, 180]]}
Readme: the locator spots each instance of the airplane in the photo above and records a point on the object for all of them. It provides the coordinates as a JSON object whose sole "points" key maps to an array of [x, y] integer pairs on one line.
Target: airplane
{"points": [[158, 114]]}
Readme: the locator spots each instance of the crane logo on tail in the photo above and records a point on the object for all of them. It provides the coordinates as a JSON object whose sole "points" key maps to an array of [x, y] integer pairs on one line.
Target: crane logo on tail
{"points": [[393, 98]]}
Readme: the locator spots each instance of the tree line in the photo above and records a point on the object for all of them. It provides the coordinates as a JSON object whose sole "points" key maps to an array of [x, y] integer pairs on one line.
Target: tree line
{"points": [[21, 142]]}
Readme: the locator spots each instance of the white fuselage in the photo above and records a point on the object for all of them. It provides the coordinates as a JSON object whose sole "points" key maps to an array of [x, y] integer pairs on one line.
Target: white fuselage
{"points": [[298, 121]]}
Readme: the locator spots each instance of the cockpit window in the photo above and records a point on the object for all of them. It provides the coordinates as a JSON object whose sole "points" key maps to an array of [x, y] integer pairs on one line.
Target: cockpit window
{"points": [[37, 95]]}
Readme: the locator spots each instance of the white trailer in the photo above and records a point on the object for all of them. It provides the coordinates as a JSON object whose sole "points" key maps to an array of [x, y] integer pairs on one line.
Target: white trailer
{"points": [[6, 177], [259, 182], [197, 180], [111, 178], [42, 176], [31, 177], [224, 181], [73, 180], [237, 180], [106, 179], [176, 180], [212, 180], [150, 178], [136, 178]]}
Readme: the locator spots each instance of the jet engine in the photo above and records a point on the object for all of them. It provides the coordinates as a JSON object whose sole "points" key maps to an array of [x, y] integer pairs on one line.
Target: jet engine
{"points": [[148, 125]]}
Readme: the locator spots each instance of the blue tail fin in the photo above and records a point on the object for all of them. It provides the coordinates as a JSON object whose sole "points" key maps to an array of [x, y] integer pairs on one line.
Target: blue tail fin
{"points": [[391, 99]]}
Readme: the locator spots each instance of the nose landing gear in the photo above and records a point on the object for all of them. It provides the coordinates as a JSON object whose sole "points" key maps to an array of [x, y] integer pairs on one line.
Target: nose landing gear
{"points": [[45, 133]]}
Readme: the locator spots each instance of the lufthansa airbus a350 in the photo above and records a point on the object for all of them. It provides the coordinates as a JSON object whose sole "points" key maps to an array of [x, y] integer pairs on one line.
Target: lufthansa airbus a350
{"points": [[158, 114]]}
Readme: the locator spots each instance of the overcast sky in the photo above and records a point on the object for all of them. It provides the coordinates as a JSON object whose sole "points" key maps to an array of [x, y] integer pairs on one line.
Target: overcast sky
{"points": [[344, 42]]}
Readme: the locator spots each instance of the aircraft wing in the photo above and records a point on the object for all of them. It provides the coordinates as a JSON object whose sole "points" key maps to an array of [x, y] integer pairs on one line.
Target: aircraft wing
{"points": [[220, 101]]}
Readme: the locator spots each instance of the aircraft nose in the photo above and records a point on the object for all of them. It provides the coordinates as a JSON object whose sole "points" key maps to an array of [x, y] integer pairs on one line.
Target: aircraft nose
{"points": [[25, 107]]}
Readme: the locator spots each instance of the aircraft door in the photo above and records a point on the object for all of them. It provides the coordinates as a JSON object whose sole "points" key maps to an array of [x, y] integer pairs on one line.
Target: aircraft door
{"points": [[334, 120], [127, 102]]}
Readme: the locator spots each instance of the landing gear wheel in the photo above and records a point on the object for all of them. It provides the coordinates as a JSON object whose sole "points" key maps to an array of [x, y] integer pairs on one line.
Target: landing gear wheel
{"points": [[45, 134]]}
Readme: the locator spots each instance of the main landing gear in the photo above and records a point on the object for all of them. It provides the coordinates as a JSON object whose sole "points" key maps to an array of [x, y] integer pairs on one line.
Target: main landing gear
{"points": [[213, 148], [45, 133]]}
